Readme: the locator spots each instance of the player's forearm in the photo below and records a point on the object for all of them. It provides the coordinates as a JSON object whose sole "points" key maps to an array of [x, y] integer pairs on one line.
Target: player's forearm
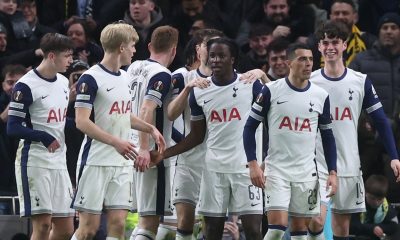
{"points": [[177, 106], [190, 141], [249, 139], [329, 146], [385, 132], [140, 125], [95, 132], [16, 129], [146, 115]]}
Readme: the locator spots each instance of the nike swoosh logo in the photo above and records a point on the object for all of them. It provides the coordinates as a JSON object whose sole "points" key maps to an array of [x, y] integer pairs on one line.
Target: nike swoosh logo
{"points": [[109, 89], [205, 102], [43, 97], [254, 204], [358, 203], [280, 102], [312, 208]]}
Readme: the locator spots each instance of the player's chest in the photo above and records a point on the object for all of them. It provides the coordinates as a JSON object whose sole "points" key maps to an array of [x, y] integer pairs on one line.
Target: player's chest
{"points": [[227, 104], [50, 97]]}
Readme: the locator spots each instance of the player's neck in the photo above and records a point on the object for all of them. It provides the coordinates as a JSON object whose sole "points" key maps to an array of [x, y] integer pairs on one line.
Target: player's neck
{"points": [[161, 58], [46, 70], [205, 70], [297, 82], [334, 69], [223, 79], [111, 62]]}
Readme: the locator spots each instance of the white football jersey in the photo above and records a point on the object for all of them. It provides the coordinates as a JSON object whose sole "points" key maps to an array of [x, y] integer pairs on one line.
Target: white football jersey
{"points": [[293, 116], [152, 81], [348, 96], [42, 104], [107, 94], [195, 156], [225, 110]]}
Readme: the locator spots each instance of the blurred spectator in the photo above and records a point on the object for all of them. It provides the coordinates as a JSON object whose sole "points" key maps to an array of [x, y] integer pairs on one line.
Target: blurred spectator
{"points": [[259, 38], [73, 137], [184, 16], [382, 65], [380, 219], [233, 229], [276, 52], [199, 22], [238, 10], [28, 58], [54, 13], [18, 30], [345, 11], [8, 145], [371, 10], [85, 49], [295, 24], [144, 16], [28, 8]]}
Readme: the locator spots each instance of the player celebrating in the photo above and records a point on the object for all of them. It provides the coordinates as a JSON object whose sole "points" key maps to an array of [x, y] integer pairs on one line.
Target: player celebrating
{"points": [[103, 113], [37, 116], [190, 164], [350, 92], [294, 110], [151, 92], [220, 110]]}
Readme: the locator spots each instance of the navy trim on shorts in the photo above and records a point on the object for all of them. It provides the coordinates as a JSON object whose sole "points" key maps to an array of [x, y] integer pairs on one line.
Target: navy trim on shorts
{"points": [[24, 178]]}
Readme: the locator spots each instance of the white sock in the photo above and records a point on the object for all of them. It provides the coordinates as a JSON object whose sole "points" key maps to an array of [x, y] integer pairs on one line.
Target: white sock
{"points": [[274, 234], [143, 234], [183, 237], [74, 237], [111, 238]]}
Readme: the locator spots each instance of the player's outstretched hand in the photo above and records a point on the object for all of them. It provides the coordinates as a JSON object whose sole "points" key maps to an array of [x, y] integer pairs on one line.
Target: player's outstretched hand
{"points": [[155, 158], [256, 174], [53, 146], [126, 149], [395, 165], [199, 82], [142, 162], [159, 139], [253, 75], [331, 184]]}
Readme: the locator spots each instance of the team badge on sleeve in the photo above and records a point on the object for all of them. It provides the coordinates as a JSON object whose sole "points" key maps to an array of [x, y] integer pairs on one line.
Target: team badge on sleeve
{"points": [[17, 96], [259, 98], [374, 92], [83, 88], [158, 86]]}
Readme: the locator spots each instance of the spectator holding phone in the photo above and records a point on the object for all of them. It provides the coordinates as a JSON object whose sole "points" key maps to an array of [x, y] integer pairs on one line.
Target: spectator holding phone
{"points": [[73, 137]]}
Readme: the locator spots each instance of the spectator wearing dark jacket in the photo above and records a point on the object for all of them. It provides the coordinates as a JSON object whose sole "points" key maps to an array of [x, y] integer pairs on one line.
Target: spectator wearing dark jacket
{"points": [[144, 16], [382, 64]]}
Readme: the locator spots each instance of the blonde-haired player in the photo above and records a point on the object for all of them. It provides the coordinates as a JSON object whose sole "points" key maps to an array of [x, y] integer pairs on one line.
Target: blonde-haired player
{"points": [[103, 113]]}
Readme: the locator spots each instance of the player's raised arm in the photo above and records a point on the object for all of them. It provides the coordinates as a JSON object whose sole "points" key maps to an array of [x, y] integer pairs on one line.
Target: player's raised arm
{"points": [[329, 146], [87, 88], [177, 106], [258, 111], [374, 109]]}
